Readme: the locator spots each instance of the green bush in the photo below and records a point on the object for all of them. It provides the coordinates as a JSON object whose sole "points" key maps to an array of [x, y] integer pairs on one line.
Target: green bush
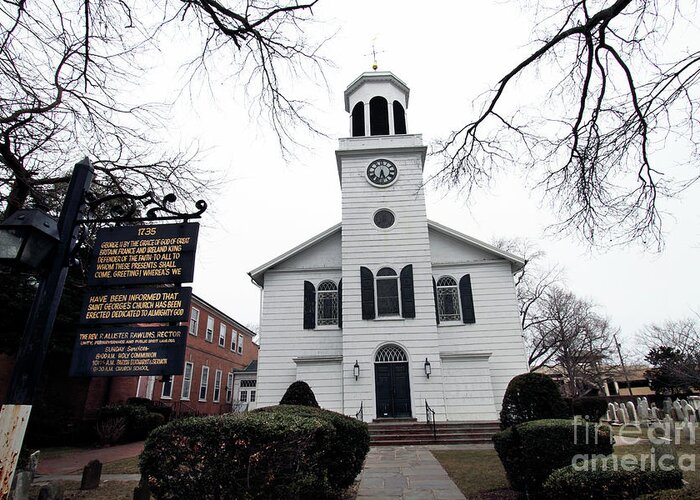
{"points": [[598, 478], [531, 396], [139, 420], [590, 408], [346, 452], [278, 452], [299, 393], [531, 451]]}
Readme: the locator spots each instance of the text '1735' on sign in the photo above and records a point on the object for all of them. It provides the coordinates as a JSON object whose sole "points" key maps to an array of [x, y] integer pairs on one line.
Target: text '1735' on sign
{"points": [[141, 255], [129, 351], [136, 305]]}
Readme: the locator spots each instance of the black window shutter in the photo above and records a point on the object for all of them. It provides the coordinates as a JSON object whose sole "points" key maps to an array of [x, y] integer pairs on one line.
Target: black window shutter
{"points": [[367, 289], [309, 306], [340, 304], [437, 313], [408, 304], [465, 293]]}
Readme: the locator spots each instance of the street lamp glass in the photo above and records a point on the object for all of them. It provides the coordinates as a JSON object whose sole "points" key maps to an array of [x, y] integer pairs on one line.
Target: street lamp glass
{"points": [[10, 244]]}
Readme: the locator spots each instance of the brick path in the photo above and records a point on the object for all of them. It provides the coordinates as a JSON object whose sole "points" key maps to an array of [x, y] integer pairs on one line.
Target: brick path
{"points": [[405, 473], [75, 460]]}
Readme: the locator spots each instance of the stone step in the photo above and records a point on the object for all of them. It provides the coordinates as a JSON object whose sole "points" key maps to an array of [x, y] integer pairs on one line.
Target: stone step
{"points": [[403, 433]]}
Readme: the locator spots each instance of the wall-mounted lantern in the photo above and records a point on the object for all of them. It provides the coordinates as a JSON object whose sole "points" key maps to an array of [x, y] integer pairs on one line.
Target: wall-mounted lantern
{"points": [[27, 237], [356, 370], [426, 367]]}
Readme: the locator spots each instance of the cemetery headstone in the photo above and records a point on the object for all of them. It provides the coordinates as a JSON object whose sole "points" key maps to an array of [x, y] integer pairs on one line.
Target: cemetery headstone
{"points": [[52, 491], [632, 411], [91, 475]]}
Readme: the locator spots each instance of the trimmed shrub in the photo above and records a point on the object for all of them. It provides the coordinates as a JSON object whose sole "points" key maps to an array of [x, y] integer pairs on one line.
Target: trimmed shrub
{"points": [[279, 452], [531, 396], [139, 421], [299, 393], [607, 478], [590, 408], [531, 451], [345, 454]]}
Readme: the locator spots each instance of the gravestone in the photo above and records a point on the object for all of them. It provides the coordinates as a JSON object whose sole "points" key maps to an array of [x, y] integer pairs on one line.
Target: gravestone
{"points": [[142, 491], [622, 415], [23, 480], [689, 413], [611, 413], [643, 409], [91, 475], [668, 406], [632, 411], [680, 416], [52, 491], [694, 402]]}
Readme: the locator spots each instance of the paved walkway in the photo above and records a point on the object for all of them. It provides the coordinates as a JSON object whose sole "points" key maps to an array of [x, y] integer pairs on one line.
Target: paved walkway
{"points": [[406, 473], [75, 460]]}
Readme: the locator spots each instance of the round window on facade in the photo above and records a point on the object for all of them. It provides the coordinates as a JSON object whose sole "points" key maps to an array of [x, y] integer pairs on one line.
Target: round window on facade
{"points": [[384, 218]]}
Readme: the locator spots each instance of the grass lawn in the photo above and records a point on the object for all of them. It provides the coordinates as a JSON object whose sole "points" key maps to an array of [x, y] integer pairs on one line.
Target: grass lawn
{"points": [[124, 466], [479, 473], [108, 490], [475, 472]]}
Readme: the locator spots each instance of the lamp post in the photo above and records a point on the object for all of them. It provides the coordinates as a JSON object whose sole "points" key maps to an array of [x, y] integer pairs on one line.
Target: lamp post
{"points": [[24, 239]]}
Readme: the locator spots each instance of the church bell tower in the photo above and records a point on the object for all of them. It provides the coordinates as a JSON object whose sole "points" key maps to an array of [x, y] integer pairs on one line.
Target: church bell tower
{"points": [[389, 325]]}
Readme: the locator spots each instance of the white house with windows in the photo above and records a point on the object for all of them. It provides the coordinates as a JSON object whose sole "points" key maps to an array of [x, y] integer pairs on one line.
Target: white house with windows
{"points": [[387, 310]]}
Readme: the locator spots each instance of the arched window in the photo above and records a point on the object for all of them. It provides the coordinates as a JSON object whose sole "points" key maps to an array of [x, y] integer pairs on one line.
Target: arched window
{"points": [[327, 304], [378, 116], [358, 119], [387, 292], [390, 353], [399, 118], [448, 299]]}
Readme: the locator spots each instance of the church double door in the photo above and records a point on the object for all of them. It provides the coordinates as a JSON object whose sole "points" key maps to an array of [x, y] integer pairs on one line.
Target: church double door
{"points": [[393, 390]]}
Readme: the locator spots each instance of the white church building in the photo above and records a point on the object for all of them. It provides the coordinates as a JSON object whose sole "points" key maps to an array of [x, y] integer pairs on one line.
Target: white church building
{"points": [[387, 310]]}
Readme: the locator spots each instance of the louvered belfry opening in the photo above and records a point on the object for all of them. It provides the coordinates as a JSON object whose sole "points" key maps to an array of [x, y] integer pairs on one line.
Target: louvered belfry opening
{"points": [[378, 116], [399, 118], [358, 120]]}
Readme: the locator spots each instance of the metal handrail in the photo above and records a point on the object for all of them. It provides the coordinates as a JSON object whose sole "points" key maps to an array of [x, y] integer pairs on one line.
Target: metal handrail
{"points": [[430, 419], [360, 413]]}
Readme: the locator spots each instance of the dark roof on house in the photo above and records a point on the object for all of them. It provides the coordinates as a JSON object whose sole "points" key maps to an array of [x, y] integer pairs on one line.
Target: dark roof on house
{"points": [[251, 368], [239, 327]]}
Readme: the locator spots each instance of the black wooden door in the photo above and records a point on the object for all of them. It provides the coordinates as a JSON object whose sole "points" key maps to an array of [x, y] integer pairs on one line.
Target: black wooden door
{"points": [[393, 390]]}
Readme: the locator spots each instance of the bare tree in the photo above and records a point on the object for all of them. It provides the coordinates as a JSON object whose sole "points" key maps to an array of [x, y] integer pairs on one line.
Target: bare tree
{"points": [[579, 340], [683, 335], [69, 75], [532, 282], [617, 94]]}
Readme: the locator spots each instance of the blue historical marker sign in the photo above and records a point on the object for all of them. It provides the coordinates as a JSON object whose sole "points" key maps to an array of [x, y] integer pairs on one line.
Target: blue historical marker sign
{"points": [[136, 305], [142, 255], [129, 351]]}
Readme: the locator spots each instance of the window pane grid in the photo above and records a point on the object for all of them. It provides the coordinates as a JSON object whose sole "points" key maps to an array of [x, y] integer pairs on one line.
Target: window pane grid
{"points": [[448, 299]]}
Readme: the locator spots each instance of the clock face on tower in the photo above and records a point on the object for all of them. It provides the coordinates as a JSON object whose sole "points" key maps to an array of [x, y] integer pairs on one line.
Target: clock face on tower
{"points": [[382, 173]]}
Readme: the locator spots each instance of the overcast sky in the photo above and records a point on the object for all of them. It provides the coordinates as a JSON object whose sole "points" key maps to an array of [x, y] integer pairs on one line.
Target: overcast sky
{"points": [[447, 57]]}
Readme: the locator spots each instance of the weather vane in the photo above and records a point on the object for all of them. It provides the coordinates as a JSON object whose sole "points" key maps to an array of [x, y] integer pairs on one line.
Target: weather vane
{"points": [[374, 54]]}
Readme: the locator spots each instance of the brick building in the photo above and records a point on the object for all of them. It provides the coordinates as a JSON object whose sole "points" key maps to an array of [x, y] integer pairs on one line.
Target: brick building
{"points": [[220, 351]]}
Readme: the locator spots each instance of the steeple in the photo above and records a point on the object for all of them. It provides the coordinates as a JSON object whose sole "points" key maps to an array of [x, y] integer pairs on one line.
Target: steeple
{"points": [[377, 102]]}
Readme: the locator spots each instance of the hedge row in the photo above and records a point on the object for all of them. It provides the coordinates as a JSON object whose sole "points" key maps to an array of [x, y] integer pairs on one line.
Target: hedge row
{"points": [[604, 478], [530, 452], [284, 452]]}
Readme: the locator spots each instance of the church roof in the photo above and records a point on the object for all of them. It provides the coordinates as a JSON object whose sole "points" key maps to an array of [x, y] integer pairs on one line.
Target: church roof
{"points": [[516, 263], [375, 76]]}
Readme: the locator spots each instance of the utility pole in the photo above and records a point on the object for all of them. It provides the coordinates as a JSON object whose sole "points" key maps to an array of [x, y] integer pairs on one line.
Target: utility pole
{"points": [[622, 363], [14, 414]]}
